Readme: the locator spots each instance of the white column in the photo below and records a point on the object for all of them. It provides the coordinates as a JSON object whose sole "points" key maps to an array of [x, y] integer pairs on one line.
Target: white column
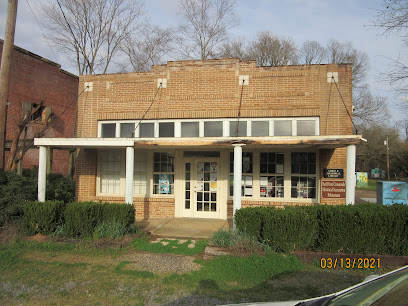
{"points": [[351, 175], [42, 173], [130, 160], [237, 178]]}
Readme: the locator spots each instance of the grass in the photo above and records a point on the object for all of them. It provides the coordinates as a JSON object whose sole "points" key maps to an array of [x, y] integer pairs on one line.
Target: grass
{"points": [[372, 185], [170, 246], [52, 273]]}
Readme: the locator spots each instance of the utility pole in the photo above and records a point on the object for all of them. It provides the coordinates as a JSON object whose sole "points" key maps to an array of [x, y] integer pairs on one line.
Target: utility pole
{"points": [[5, 73], [388, 160]]}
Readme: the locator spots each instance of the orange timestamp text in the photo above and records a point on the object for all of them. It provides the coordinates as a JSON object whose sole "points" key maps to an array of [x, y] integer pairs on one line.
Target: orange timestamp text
{"points": [[350, 263]]}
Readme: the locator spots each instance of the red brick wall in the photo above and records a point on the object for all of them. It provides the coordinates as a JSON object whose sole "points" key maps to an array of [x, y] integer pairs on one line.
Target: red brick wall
{"points": [[34, 79], [210, 89]]}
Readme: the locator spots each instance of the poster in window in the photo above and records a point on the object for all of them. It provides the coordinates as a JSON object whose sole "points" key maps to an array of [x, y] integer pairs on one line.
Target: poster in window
{"points": [[213, 186], [263, 192], [264, 181], [213, 167], [213, 177], [164, 184], [200, 186], [200, 176], [200, 167], [279, 168]]}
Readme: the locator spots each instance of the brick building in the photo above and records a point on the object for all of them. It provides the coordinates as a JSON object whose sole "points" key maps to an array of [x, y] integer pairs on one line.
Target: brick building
{"points": [[34, 79], [284, 132]]}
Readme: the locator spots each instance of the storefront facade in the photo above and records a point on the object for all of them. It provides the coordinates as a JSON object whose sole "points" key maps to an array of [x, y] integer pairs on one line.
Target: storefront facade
{"points": [[173, 141]]}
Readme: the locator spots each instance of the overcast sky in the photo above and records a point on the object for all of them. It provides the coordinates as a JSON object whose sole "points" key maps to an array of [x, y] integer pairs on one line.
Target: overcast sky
{"points": [[301, 20]]}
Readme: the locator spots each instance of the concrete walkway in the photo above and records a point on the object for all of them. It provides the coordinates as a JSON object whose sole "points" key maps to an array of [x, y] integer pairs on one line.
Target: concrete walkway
{"points": [[183, 227]]}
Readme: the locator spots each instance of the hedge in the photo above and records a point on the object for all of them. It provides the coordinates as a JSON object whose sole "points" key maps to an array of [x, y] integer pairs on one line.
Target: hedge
{"points": [[79, 219], [358, 229], [16, 189], [43, 217]]}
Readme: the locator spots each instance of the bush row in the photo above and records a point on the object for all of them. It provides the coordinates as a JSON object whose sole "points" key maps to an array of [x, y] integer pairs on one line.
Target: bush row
{"points": [[16, 189], [358, 229], [79, 219]]}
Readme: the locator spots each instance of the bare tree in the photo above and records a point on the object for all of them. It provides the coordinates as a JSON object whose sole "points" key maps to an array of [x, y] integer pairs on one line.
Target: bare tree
{"points": [[90, 31], [271, 50], [234, 49], [148, 47], [344, 52], [205, 27], [312, 52], [369, 108], [392, 18]]}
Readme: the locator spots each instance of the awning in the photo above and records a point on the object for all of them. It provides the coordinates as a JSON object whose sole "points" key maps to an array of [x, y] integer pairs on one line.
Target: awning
{"points": [[319, 142]]}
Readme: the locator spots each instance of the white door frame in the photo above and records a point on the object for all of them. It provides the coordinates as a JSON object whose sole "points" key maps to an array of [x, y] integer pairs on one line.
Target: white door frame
{"points": [[220, 202]]}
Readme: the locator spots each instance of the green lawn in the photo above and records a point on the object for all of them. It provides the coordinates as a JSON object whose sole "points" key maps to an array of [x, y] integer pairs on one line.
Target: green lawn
{"points": [[53, 273]]}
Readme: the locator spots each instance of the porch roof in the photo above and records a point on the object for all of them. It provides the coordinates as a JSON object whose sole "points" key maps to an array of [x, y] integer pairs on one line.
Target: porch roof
{"points": [[320, 142]]}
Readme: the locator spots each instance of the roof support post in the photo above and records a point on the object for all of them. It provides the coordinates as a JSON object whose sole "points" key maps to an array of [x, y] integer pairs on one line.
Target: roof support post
{"points": [[130, 160], [237, 178], [42, 173], [351, 175]]}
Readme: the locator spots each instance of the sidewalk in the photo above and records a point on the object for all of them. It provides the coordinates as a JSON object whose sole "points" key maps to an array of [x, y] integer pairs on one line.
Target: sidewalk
{"points": [[183, 227]]}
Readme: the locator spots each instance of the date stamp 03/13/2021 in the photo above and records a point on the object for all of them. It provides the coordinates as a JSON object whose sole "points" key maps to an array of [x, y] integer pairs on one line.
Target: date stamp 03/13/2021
{"points": [[349, 263]]}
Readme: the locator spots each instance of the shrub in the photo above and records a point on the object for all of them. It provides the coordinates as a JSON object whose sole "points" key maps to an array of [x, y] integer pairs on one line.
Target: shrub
{"points": [[60, 188], [358, 229], [15, 190], [81, 218], [43, 217], [112, 229]]}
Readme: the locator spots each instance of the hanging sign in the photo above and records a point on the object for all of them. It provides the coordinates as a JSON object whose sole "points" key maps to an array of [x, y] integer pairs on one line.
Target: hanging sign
{"points": [[333, 173]]}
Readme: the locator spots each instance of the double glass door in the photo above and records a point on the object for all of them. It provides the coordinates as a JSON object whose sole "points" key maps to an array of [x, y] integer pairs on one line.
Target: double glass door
{"points": [[201, 188]]}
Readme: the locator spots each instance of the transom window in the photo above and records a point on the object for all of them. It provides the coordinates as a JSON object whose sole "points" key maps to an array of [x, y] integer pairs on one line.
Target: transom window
{"points": [[251, 127]]}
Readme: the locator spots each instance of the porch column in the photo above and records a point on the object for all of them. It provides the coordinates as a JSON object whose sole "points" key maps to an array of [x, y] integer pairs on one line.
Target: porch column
{"points": [[130, 160], [42, 173], [351, 175], [237, 178]]}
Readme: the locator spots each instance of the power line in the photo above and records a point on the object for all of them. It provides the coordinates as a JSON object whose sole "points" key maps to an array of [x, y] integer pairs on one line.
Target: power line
{"points": [[73, 35], [348, 113], [35, 17], [151, 104]]}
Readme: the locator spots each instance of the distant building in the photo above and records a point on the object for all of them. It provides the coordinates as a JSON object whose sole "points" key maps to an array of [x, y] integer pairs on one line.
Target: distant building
{"points": [[34, 79], [284, 134]]}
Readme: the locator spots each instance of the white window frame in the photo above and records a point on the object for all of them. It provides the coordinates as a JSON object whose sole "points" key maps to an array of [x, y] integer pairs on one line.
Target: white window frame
{"points": [[225, 121], [287, 174]]}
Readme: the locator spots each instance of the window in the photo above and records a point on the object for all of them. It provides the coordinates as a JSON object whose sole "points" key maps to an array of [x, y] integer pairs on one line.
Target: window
{"points": [[283, 128], [163, 173], [213, 129], [166, 129], [189, 129], [127, 129], [247, 168], [260, 128], [146, 130], [110, 162], [108, 130], [303, 179], [242, 128], [271, 184], [306, 128], [140, 173]]}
